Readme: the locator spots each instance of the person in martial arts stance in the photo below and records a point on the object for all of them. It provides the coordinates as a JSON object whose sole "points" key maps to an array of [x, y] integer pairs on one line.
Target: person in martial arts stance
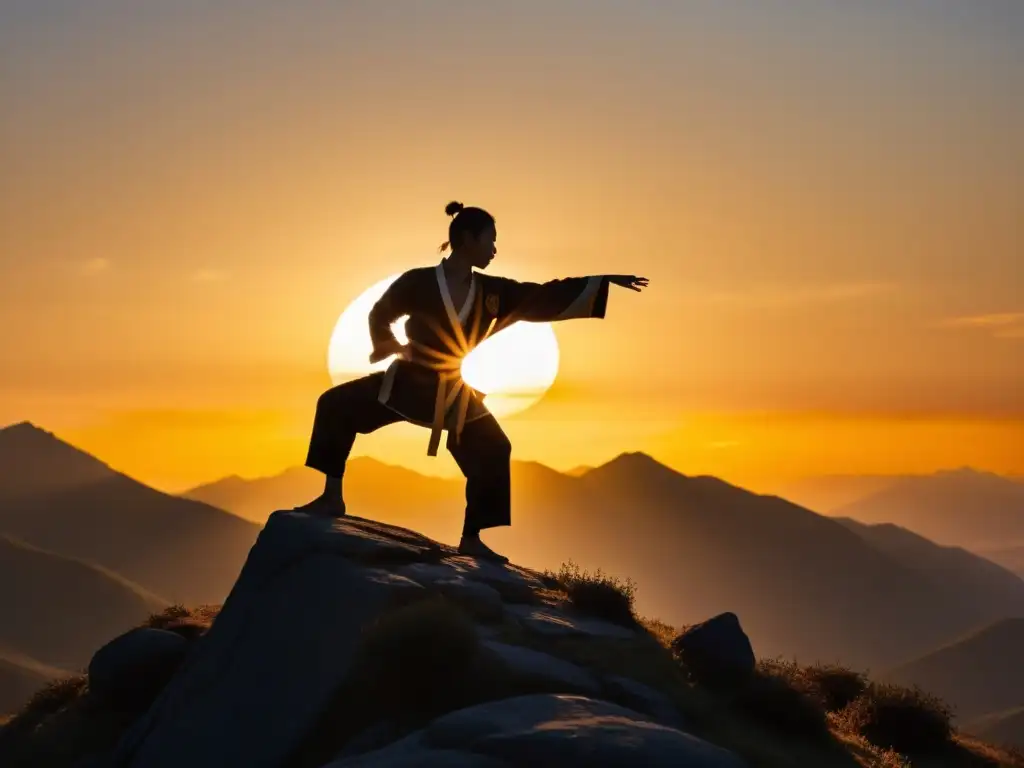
{"points": [[450, 309]]}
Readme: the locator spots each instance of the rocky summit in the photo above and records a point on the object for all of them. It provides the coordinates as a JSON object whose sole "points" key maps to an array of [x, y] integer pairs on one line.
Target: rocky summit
{"points": [[347, 642]]}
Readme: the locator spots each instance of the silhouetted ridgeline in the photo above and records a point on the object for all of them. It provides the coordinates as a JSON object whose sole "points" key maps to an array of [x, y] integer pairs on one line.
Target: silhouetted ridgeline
{"points": [[981, 674], [86, 558], [57, 610], [807, 585], [976, 510], [67, 502]]}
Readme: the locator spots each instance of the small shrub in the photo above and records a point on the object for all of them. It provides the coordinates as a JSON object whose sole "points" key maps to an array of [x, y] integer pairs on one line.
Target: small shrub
{"points": [[662, 632], [837, 685], [50, 699], [22, 732], [189, 623], [170, 614], [778, 698], [907, 720], [414, 663], [598, 594], [78, 730], [415, 660]]}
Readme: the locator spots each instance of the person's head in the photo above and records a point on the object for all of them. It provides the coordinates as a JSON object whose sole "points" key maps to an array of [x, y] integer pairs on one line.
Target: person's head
{"points": [[471, 234]]}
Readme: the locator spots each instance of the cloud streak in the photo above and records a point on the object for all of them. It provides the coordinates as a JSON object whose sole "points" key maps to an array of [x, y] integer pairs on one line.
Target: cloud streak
{"points": [[1001, 325], [96, 266]]}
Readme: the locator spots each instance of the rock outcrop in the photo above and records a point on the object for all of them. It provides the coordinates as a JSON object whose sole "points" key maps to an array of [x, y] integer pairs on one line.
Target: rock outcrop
{"points": [[301, 667], [546, 730], [717, 652], [130, 671]]}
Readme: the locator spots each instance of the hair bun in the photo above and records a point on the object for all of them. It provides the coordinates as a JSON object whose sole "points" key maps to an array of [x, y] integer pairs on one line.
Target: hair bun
{"points": [[453, 208]]}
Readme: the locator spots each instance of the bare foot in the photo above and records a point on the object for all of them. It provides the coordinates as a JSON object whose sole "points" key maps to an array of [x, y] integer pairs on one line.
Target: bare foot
{"points": [[324, 506], [473, 547]]}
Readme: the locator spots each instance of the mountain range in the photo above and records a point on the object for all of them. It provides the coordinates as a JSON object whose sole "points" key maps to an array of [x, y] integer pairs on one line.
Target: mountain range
{"points": [[1004, 728], [1010, 557], [967, 508], [807, 586], [57, 610], [20, 677], [65, 501], [981, 675], [963, 575], [829, 494], [979, 511], [368, 484]]}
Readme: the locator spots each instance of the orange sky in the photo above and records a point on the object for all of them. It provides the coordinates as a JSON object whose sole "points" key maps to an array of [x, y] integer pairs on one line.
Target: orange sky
{"points": [[827, 200]]}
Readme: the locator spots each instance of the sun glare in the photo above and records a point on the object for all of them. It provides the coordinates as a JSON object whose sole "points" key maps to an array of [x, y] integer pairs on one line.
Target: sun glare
{"points": [[515, 367]]}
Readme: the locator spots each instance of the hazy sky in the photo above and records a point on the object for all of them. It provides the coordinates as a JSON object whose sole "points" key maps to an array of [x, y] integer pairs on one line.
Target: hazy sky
{"points": [[828, 199]]}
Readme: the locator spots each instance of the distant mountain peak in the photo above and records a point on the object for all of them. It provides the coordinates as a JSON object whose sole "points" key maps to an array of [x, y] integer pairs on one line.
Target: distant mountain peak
{"points": [[965, 472], [34, 460], [964, 507], [637, 460], [26, 431], [633, 466], [22, 428], [959, 480], [25, 434]]}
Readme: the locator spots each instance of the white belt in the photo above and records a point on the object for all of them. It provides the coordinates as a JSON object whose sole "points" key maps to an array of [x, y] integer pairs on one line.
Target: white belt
{"points": [[449, 387]]}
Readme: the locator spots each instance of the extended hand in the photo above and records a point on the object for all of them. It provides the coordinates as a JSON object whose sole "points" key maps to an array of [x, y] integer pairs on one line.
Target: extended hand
{"points": [[632, 282]]}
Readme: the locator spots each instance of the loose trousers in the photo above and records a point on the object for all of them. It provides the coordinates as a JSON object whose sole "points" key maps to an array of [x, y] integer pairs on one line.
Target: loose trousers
{"points": [[483, 452]]}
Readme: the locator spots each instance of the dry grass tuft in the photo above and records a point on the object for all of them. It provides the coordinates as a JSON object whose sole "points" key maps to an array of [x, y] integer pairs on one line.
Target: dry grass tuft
{"points": [[836, 685], [49, 700], [190, 623], [416, 657], [598, 594], [906, 720], [59, 726], [780, 698]]}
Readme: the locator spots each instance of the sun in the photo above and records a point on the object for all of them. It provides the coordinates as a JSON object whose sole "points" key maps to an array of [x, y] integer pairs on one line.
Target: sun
{"points": [[514, 367]]}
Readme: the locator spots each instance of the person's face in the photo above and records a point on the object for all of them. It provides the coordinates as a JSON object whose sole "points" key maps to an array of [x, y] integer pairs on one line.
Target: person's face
{"points": [[482, 249]]}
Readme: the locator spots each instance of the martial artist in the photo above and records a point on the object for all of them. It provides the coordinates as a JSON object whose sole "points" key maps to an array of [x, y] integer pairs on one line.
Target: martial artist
{"points": [[451, 309]]}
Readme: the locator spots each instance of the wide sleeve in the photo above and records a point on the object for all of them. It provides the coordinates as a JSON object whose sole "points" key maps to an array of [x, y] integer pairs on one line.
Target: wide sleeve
{"points": [[565, 299], [396, 302]]}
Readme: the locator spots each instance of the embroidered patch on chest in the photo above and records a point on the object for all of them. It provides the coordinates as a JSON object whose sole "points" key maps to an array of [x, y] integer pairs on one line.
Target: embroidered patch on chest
{"points": [[491, 303]]}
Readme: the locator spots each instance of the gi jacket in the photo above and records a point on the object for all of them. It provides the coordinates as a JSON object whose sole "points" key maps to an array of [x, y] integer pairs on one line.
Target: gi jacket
{"points": [[428, 388]]}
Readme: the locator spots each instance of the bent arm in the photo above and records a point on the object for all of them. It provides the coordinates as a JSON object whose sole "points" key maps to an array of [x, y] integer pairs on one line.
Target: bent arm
{"points": [[565, 299], [390, 307]]}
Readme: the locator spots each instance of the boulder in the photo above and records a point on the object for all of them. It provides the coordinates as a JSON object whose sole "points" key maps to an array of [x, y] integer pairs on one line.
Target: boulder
{"points": [[262, 686], [634, 695], [514, 584], [716, 652], [479, 600], [284, 641], [130, 671], [551, 621], [547, 731], [538, 670]]}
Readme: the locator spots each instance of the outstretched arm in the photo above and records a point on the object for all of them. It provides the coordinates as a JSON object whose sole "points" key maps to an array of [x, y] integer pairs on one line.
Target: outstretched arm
{"points": [[565, 299]]}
